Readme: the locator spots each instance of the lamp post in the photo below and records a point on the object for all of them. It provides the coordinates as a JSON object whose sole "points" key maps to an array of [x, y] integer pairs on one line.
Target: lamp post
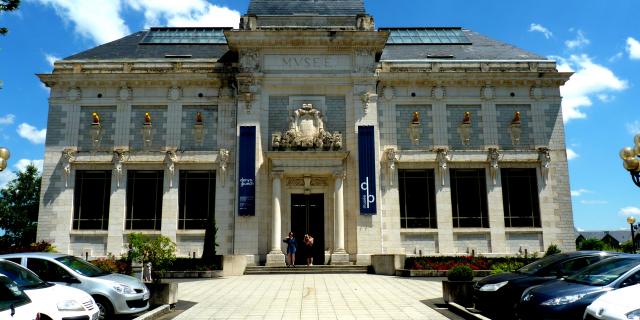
{"points": [[4, 158], [631, 221], [630, 160]]}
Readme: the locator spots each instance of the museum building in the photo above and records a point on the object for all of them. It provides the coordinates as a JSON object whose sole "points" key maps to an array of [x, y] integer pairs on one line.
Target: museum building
{"points": [[307, 118]]}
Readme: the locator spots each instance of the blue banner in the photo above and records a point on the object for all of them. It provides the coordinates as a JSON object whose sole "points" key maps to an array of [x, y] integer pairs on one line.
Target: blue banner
{"points": [[367, 166], [247, 172]]}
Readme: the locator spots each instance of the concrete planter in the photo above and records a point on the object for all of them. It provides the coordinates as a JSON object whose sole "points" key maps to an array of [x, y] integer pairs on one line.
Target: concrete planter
{"points": [[163, 293], [460, 292], [387, 264]]}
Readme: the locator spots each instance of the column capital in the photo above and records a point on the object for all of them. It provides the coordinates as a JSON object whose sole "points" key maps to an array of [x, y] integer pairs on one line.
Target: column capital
{"points": [[277, 174], [339, 174]]}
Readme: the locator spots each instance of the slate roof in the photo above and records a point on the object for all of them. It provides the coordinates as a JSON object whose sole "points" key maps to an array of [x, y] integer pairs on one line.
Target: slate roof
{"points": [[481, 48], [620, 235], [129, 47], [312, 7]]}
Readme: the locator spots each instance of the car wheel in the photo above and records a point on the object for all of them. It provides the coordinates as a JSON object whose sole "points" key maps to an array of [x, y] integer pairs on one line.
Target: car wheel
{"points": [[106, 310]]}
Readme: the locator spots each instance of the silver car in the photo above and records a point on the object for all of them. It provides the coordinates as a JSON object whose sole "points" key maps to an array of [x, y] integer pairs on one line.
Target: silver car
{"points": [[113, 293]]}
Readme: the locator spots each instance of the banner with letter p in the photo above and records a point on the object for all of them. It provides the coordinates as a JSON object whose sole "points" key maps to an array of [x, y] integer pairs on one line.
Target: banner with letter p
{"points": [[367, 169], [247, 172]]}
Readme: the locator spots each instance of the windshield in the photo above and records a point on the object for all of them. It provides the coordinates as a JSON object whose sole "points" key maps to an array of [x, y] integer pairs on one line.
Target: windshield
{"points": [[80, 266], [536, 266], [604, 272], [22, 276]]}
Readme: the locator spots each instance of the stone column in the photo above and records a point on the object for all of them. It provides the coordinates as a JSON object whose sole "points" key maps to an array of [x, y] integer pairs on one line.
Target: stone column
{"points": [[339, 255], [275, 258]]}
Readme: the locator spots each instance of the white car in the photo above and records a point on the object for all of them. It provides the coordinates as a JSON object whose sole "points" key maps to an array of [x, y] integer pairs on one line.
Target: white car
{"points": [[14, 303], [621, 304], [52, 301]]}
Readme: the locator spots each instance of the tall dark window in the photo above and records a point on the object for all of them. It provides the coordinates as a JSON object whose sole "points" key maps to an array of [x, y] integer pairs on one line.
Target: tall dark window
{"points": [[417, 199], [469, 198], [520, 197], [144, 200], [91, 200], [197, 198]]}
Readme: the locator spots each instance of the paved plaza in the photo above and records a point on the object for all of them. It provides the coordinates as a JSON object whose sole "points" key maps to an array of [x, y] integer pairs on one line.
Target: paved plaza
{"points": [[311, 296]]}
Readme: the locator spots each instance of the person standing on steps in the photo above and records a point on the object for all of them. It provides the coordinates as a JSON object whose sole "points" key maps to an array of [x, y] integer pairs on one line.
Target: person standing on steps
{"points": [[308, 241], [291, 249]]}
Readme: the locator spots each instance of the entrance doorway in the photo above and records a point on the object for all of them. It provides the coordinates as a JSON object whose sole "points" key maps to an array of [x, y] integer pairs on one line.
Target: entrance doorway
{"points": [[307, 217]]}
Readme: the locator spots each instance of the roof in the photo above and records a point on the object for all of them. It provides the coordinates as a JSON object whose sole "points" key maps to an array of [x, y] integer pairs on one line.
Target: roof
{"points": [[479, 48], [620, 235], [193, 43], [306, 7], [130, 47]]}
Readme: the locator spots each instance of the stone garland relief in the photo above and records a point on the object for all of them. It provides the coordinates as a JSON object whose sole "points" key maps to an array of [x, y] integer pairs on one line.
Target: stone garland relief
{"points": [[306, 132], [68, 156]]}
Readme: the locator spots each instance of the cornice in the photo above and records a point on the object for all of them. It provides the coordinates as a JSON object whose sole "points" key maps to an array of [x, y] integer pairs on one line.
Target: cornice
{"points": [[318, 39]]}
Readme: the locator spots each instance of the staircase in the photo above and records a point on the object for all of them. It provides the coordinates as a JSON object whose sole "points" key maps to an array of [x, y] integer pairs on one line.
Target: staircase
{"points": [[303, 269]]}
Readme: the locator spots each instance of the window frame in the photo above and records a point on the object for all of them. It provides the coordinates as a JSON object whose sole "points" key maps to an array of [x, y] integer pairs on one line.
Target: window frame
{"points": [[79, 200], [152, 216], [183, 205], [508, 193], [407, 214], [455, 175]]}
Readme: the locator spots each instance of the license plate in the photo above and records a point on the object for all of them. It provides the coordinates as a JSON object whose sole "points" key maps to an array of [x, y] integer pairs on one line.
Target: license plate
{"points": [[146, 296]]}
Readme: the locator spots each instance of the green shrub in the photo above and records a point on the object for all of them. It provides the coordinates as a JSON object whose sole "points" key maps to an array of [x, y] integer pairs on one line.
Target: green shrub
{"points": [[460, 273], [592, 244], [160, 250], [552, 249], [507, 266]]}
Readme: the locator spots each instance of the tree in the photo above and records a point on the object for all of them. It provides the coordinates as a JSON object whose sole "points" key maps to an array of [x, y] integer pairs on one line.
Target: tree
{"points": [[19, 202], [8, 5]]}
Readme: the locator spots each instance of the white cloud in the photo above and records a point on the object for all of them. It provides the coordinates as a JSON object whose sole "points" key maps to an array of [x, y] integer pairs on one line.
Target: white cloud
{"points": [[23, 163], [629, 211], [8, 119], [590, 79], [571, 154], [593, 202], [7, 175], [102, 21], [633, 128], [534, 27], [605, 97], [32, 133], [616, 57], [51, 59], [579, 192], [185, 13], [633, 48], [578, 42], [99, 21]]}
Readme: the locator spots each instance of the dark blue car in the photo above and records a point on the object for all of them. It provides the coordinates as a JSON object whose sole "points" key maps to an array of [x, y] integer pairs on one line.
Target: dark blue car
{"points": [[568, 298], [497, 295]]}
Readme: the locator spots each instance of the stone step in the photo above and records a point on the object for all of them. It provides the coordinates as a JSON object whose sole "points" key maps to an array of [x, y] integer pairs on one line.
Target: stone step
{"points": [[305, 270]]}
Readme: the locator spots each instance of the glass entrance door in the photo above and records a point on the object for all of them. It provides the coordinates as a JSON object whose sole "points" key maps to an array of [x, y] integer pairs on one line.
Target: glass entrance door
{"points": [[307, 217]]}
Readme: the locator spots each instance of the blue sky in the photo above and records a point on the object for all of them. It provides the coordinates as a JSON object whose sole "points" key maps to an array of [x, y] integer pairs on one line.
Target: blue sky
{"points": [[598, 40]]}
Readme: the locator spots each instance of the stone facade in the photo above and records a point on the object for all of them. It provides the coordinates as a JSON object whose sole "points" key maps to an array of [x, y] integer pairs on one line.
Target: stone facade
{"points": [[341, 75]]}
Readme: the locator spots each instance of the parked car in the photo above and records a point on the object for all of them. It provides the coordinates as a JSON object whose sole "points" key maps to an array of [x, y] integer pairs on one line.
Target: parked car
{"points": [[568, 298], [14, 303], [114, 293], [52, 301], [497, 295], [621, 304]]}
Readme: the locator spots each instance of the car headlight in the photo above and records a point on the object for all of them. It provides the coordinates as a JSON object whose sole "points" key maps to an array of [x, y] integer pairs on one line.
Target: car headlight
{"points": [[563, 300], [634, 315], [493, 286], [69, 305], [123, 289]]}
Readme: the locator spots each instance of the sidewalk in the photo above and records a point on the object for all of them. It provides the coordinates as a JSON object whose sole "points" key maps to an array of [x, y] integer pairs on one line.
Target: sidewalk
{"points": [[314, 296]]}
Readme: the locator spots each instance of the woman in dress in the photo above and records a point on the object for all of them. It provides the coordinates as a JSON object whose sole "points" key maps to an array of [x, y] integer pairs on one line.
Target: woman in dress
{"points": [[291, 249], [308, 241]]}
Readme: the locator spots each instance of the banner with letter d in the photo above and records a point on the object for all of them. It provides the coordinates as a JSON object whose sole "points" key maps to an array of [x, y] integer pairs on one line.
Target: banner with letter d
{"points": [[367, 162], [247, 172]]}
